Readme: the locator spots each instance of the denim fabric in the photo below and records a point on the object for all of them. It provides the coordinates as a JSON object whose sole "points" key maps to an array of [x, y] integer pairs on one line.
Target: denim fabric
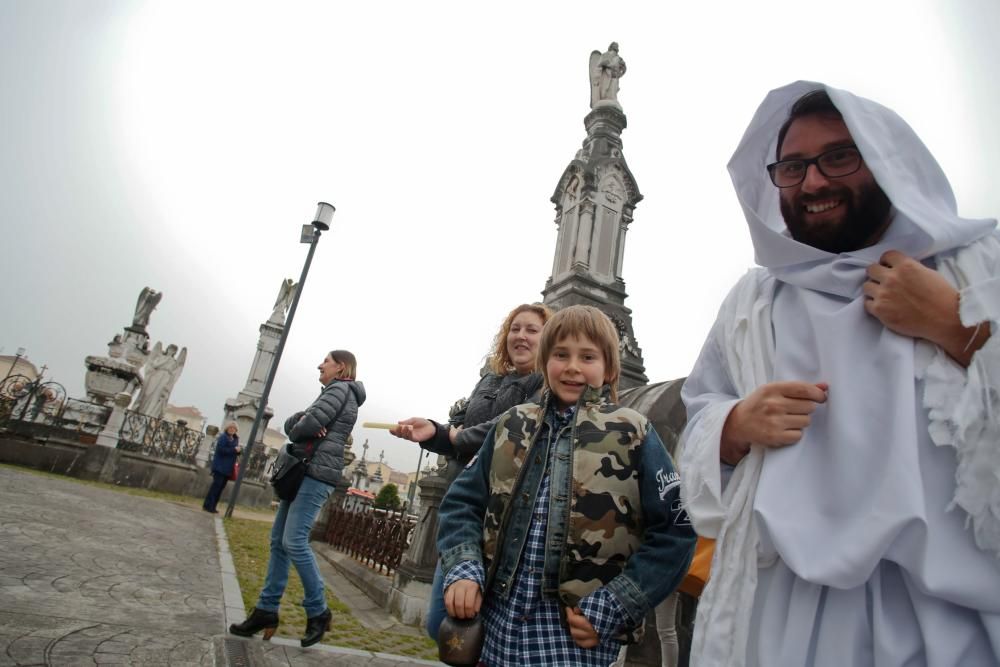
{"points": [[215, 491], [650, 574], [436, 611], [290, 545]]}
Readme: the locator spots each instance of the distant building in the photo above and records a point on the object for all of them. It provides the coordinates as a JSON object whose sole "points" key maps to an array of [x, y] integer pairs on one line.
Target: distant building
{"points": [[14, 365], [358, 500], [189, 414]]}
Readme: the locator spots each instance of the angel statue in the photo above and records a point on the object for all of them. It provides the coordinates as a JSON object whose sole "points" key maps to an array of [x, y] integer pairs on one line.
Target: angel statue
{"points": [[161, 372], [605, 70], [148, 299], [284, 301]]}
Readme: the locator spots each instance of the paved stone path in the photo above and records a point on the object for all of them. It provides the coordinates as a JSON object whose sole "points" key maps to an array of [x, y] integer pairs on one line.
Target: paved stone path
{"points": [[90, 576]]}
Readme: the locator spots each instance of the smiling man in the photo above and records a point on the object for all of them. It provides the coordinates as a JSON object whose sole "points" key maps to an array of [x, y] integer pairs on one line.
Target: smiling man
{"points": [[843, 440]]}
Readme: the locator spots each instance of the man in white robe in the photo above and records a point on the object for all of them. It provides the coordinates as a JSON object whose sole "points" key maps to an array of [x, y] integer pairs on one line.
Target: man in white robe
{"points": [[843, 437]]}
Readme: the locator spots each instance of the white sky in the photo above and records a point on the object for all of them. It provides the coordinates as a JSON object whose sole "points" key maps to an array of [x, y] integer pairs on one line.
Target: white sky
{"points": [[182, 144]]}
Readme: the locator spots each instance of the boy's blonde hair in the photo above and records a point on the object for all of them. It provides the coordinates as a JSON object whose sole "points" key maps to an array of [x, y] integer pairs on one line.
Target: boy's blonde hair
{"points": [[499, 359], [583, 322]]}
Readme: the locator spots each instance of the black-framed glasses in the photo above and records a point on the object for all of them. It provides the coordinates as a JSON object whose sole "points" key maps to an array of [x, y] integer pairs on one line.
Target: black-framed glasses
{"points": [[834, 163]]}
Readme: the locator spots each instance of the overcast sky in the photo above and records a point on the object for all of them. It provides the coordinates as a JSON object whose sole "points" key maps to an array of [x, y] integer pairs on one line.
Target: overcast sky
{"points": [[181, 145]]}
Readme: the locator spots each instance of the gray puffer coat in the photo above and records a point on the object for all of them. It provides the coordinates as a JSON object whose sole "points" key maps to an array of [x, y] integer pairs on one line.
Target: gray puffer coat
{"points": [[336, 409]]}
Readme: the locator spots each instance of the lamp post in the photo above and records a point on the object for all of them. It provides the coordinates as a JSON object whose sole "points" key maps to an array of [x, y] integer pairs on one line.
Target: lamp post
{"points": [[310, 235]]}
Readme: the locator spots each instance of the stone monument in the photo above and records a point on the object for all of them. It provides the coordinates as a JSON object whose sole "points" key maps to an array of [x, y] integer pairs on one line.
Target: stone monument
{"points": [[595, 200], [160, 374], [119, 371], [243, 408]]}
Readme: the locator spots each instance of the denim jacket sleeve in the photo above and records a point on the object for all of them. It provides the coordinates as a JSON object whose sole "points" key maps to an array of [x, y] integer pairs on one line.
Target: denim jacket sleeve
{"points": [[460, 531], [659, 565]]}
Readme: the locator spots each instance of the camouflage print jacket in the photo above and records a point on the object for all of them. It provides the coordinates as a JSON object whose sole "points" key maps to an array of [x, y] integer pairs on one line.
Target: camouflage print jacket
{"points": [[614, 509]]}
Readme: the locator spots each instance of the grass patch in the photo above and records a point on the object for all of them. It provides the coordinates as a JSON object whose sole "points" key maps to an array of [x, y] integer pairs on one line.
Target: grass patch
{"points": [[249, 543]]}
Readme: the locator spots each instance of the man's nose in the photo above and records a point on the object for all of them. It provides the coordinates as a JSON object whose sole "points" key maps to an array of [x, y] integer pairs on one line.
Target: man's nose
{"points": [[814, 180]]}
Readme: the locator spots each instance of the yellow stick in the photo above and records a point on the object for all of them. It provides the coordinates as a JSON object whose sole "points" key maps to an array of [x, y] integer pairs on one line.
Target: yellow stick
{"points": [[378, 425]]}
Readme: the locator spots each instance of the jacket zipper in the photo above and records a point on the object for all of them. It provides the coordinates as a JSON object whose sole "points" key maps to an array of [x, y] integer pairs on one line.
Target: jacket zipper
{"points": [[572, 448], [507, 510]]}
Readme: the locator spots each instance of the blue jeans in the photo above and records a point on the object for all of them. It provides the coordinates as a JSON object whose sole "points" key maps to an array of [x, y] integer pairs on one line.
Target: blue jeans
{"points": [[290, 544], [436, 611]]}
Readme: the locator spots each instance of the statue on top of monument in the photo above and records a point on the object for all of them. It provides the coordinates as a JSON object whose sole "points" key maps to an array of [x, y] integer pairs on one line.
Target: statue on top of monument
{"points": [[286, 293], [161, 373], [605, 70], [148, 299]]}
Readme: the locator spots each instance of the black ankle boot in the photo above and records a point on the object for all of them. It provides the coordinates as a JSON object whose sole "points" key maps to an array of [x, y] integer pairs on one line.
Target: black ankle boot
{"points": [[257, 620], [316, 627]]}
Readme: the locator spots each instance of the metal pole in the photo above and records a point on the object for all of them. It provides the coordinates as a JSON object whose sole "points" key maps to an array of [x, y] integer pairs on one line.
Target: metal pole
{"points": [[245, 462]]}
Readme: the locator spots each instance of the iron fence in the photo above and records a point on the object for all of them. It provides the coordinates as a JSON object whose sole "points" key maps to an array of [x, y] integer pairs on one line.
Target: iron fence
{"points": [[377, 538], [158, 438], [28, 401]]}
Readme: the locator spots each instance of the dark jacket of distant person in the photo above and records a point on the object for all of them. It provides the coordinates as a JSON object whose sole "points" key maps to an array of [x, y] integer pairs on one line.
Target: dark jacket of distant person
{"points": [[225, 454]]}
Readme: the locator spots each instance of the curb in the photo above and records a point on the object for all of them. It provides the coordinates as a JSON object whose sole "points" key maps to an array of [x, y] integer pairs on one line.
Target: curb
{"points": [[234, 651]]}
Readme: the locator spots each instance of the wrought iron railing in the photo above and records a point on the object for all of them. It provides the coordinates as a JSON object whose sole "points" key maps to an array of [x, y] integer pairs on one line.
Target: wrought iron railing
{"points": [[375, 537], [158, 438], [31, 401]]}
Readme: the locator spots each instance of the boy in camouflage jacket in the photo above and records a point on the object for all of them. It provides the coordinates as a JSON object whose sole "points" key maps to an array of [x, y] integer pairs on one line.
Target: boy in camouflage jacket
{"points": [[566, 529]]}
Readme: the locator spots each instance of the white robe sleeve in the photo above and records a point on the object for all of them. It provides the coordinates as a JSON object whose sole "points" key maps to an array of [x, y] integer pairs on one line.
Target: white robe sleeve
{"points": [[963, 404], [708, 395], [736, 359]]}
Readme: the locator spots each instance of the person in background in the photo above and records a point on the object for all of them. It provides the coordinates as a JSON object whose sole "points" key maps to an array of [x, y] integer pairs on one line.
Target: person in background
{"points": [[511, 379], [227, 448], [320, 433]]}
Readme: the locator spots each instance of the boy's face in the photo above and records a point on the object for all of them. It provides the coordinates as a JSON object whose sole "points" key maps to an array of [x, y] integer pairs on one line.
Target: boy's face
{"points": [[573, 364]]}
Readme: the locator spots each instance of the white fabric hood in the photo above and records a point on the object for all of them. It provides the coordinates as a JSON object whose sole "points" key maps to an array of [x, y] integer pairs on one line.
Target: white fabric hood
{"points": [[902, 165]]}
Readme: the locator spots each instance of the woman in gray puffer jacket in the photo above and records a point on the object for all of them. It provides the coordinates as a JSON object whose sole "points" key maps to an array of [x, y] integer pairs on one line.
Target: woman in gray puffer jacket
{"points": [[320, 431]]}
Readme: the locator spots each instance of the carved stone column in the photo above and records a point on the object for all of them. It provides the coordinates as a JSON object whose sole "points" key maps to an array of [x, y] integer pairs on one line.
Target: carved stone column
{"points": [[109, 435], [411, 586]]}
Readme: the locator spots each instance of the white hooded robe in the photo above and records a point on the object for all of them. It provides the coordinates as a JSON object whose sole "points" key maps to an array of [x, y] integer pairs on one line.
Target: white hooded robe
{"points": [[875, 540]]}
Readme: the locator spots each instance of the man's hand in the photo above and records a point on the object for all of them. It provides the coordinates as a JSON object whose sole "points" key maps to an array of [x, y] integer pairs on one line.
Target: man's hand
{"points": [[414, 429], [774, 415], [913, 300], [580, 629], [463, 599]]}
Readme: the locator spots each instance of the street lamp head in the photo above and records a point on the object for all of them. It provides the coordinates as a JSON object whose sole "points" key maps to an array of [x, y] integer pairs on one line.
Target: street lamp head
{"points": [[324, 215], [21, 351]]}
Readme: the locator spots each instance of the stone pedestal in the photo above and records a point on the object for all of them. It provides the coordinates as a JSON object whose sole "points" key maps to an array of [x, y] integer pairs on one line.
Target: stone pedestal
{"points": [[107, 378], [411, 587], [109, 436], [202, 458]]}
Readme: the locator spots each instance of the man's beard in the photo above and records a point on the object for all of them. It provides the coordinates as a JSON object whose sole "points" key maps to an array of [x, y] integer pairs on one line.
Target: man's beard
{"points": [[865, 213]]}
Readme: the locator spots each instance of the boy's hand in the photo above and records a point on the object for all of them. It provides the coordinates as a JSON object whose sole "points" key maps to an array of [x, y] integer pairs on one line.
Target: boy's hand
{"points": [[463, 599], [580, 629]]}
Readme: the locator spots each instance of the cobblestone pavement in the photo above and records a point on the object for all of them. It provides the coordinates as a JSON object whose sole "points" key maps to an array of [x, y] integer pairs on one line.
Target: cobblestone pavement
{"points": [[90, 576]]}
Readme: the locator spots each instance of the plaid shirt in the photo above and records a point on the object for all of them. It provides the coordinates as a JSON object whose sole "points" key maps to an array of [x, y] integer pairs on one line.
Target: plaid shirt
{"points": [[525, 628]]}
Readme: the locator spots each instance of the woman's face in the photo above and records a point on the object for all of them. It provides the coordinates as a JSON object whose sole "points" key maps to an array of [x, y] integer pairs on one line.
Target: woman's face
{"points": [[522, 340], [231, 429], [329, 369]]}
